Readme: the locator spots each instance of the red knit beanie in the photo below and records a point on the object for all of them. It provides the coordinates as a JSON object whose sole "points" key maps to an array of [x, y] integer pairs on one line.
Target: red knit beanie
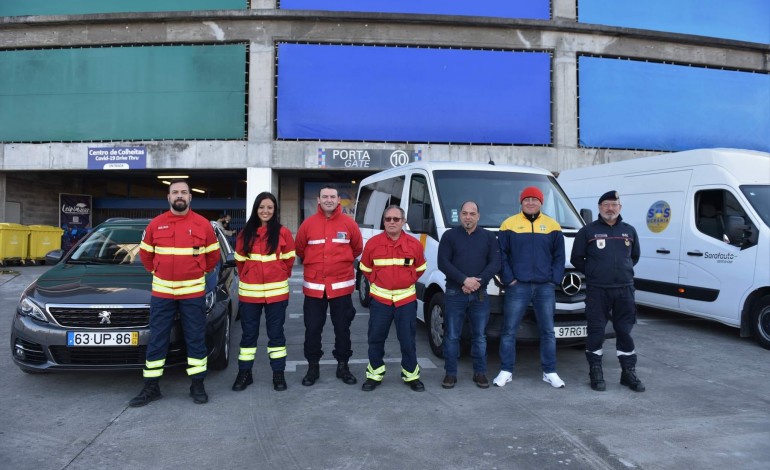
{"points": [[531, 191]]}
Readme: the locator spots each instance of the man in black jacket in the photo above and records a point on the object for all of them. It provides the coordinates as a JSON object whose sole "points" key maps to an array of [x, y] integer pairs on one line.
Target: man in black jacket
{"points": [[606, 251]]}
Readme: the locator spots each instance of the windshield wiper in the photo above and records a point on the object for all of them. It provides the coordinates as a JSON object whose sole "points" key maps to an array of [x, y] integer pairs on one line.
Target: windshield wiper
{"points": [[89, 261]]}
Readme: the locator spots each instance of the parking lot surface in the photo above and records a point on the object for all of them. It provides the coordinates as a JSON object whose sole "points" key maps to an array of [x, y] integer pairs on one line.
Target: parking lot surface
{"points": [[707, 406]]}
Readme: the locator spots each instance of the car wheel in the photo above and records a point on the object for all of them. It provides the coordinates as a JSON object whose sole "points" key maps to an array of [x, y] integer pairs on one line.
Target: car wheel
{"points": [[363, 290], [223, 358], [760, 321], [435, 322]]}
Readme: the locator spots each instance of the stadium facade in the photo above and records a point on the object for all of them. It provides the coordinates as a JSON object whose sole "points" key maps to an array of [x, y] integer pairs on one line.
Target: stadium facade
{"points": [[290, 94]]}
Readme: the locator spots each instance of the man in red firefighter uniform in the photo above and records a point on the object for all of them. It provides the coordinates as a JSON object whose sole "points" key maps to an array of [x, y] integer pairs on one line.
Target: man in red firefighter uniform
{"points": [[179, 247], [392, 262], [328, 243]]}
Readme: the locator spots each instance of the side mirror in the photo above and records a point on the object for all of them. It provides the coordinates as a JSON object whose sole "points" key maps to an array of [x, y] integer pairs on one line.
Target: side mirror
{"points": [[587, 215], [415, 219], [230, 260], [54, 256]]}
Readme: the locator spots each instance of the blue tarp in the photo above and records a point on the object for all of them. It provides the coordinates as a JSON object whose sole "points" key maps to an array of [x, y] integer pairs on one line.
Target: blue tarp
{"points": [[643, 105], [399, 94]]}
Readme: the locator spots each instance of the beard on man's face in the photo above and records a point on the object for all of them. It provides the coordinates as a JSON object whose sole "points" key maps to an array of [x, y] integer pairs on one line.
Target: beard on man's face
{"points": [[179, 205]]}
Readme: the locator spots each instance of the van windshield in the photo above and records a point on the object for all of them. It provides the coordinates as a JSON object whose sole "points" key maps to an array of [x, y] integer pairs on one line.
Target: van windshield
{"points": [[759, 198], [497, 194]]}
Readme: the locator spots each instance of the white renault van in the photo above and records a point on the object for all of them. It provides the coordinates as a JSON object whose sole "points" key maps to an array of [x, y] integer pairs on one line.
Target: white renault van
{"points": [[431, 193], [703, 219]]}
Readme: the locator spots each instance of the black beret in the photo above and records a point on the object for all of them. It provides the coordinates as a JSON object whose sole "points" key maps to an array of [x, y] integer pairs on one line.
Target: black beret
{"points": [[609, 196]]}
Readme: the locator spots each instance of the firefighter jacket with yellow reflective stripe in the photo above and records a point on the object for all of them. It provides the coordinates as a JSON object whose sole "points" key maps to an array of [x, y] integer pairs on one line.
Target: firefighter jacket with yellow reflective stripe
{"points": [[179, 250], [393, 267], [328, 248], [532, 249], [264, 277]]}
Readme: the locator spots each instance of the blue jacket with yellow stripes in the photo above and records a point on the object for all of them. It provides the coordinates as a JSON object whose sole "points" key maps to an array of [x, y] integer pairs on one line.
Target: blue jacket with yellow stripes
{"points": [[531, 250]]}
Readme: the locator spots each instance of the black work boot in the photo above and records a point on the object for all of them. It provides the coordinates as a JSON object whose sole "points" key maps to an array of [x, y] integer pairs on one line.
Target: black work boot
{"points": [[279, 381], [150, 392], [243, 380], [629, 379], [597, 378], [312, 375], [344, 373], [198, 392]]}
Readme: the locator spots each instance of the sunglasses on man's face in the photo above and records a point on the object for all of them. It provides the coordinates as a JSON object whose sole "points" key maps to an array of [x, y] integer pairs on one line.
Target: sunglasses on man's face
{"points": [[392, 219]]}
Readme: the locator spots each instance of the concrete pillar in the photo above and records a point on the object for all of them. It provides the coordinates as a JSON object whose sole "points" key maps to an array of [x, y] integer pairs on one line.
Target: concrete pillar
{"points": [[564, 9], [261, 93], [257, 181], [263, 4], [565, 93]]}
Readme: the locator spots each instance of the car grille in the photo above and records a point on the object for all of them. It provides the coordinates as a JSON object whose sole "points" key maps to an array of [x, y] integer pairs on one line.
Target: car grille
{"points": [[110, 356], [88, 317]]}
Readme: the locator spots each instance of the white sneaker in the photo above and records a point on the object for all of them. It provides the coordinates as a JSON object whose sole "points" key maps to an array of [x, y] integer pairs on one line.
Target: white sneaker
{"points": [[503, 378], [553, 379]]}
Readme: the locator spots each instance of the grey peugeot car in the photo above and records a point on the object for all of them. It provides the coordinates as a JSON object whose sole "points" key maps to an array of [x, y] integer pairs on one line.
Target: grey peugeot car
{"points": [[91, 310]]}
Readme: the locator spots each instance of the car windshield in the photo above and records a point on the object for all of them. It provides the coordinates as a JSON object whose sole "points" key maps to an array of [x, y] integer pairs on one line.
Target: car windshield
{"points": [[497, 195], [109, 245], [759, 198]]}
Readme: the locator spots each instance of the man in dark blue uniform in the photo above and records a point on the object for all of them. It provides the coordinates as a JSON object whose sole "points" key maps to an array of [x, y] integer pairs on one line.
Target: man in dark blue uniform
{"points": [[606, 251]]}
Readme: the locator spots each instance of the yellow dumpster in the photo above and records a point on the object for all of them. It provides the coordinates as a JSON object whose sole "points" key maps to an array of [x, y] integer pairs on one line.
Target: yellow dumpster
{"points": [[13, 242], [42, 239]]}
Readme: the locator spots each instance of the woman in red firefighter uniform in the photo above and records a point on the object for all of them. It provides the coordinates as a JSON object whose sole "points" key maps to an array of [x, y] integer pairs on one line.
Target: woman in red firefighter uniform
{"points": [[179, 247], [392, 262], [264, 253]]}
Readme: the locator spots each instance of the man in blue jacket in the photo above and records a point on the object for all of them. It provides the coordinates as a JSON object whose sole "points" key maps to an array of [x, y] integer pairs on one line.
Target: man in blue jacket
{"points": [[606, 251], [532, 249]]}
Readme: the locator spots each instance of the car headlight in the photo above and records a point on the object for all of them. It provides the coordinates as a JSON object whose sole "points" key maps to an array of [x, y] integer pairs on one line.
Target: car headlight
{"points": [[210, 298], [30, 309]]}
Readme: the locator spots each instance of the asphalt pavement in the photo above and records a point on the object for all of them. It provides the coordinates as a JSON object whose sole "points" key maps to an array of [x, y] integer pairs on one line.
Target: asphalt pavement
{"points": [[707, 406]]}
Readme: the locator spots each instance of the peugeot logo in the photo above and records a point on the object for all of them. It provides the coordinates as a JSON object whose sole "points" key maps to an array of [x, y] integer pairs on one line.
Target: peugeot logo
{"points": [[571, 283], [104, 316]]}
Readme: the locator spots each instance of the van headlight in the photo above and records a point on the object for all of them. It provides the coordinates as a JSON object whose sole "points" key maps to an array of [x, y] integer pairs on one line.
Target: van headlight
{"points": [[28, 308], [211, 296]]}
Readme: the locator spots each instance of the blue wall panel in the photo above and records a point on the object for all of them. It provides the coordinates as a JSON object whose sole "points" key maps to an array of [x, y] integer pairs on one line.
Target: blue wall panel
{"points": [[642, 105], [743, 20], [530, 9], [82, 7], [413, 94]]}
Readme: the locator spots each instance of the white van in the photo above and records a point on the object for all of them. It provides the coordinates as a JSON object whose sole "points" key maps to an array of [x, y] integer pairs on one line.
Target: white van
{"points": [[703, 219], [431, 193]]}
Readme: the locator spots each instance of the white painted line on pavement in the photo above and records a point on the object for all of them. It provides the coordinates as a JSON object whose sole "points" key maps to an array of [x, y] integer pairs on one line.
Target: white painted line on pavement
{"points": [[425, 363]]}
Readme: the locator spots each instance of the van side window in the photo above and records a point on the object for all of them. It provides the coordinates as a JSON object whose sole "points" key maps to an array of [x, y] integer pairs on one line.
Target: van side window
{"points": [[420, 211], [713, 210], [374, 198]]}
